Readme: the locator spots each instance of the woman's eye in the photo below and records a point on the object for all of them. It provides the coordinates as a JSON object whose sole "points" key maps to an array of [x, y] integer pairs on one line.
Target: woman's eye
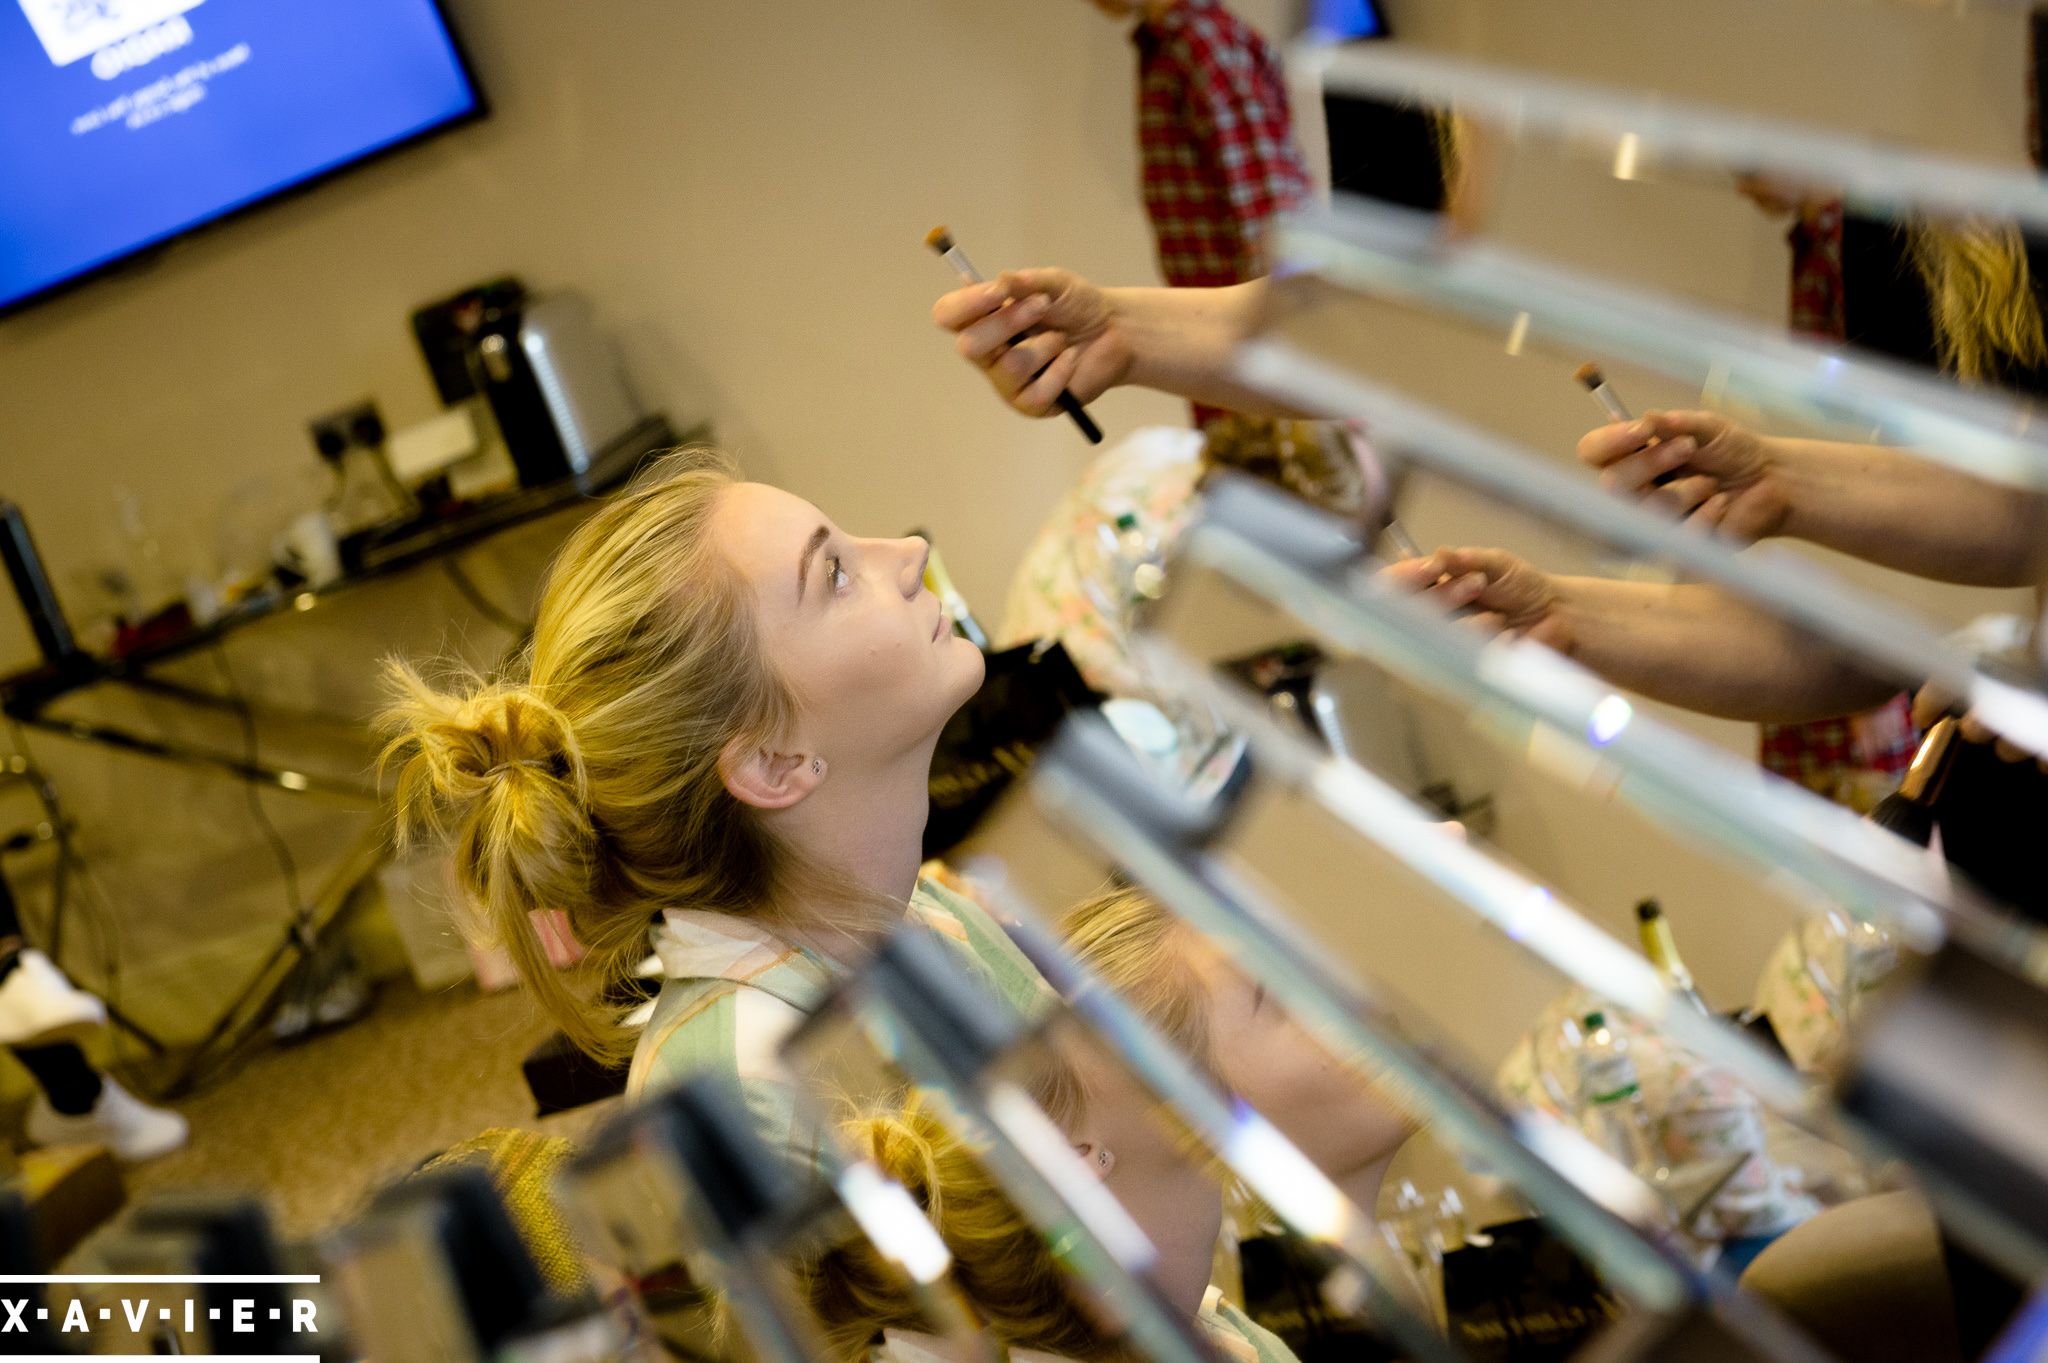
{"points": [[837, 577]]}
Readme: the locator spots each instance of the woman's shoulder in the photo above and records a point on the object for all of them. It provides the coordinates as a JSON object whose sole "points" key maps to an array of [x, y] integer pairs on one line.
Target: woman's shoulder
{"points": [[950, 910], [716, 1026], [1237, 1336]]}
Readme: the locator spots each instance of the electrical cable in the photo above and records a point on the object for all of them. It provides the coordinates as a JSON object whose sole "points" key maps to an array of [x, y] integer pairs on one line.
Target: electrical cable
{"points": [[102, 921], [251, 756], [482, 604], [288, 865], [32, 775]]}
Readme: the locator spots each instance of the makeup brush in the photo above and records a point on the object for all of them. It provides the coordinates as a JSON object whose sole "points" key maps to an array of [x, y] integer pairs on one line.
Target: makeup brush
{"points": [[1610, 402], [1909, 810], [940, 240], [1596, 384]]}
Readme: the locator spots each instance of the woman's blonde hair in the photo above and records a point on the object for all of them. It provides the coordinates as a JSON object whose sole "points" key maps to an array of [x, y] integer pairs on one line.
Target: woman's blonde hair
{"points": [[1146, 954], [591, 784], [1002, 1264], [1000, 1261], [1981, 297]]}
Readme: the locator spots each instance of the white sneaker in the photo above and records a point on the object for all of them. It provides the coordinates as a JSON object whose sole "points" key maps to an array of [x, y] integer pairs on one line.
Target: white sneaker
{"points": [[38, 1005], [120, 1121]]}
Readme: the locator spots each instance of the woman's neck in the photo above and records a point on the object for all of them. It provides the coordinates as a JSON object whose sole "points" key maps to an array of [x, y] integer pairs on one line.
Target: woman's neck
{"points": [[1362, 1185], [866, 829]]}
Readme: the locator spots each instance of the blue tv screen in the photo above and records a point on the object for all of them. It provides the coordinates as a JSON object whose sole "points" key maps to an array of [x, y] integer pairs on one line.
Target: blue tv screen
{"points": [[1346, 20], [124, 123]]}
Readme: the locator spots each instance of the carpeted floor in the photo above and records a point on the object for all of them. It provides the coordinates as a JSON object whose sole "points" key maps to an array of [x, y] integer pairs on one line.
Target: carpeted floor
{"points": [[316, 1128]]}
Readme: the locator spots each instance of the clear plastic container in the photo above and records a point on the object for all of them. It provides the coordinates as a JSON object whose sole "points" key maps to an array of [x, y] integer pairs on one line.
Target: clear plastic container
{"points": [[1611, 1097]]}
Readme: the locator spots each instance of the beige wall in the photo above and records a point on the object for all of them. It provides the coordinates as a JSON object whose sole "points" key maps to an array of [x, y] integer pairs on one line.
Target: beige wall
{"points": [[742, 189]]}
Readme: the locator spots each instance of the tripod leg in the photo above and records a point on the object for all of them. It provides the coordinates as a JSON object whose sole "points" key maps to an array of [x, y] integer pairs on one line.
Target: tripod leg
{"points": [[149, 1039]]}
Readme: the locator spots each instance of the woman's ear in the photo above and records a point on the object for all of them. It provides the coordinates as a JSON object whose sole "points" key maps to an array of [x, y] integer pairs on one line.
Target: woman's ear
{"points": [[758, 775], [1096, 1156]]}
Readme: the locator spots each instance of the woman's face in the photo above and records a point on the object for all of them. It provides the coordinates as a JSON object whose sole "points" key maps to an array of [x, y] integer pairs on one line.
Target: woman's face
{"points": [[850, 625], [1176, 1204], [1337, 1119]]}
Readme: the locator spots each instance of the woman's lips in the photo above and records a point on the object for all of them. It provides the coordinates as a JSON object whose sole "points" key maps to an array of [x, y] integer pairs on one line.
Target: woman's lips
{"points": [[940, 628]]}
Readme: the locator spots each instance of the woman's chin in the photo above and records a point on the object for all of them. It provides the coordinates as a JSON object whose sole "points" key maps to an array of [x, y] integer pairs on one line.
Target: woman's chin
{"points": [[973, 666], [960, 680]]}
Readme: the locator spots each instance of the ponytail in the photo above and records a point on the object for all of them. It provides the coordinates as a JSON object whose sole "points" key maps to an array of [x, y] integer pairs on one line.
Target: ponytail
{"points": [[591, 785], [1981, 298]]}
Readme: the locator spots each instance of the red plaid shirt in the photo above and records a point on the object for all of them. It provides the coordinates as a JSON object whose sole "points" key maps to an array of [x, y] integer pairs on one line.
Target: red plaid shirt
{"points": [[1816, 241], [1838, 758], [1216, 143]]}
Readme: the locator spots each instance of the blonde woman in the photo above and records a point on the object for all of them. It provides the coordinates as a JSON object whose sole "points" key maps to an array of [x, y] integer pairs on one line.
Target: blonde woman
{"points": [[721, 737], [1001, 1262], [1194, 994], [1220, 1020]]}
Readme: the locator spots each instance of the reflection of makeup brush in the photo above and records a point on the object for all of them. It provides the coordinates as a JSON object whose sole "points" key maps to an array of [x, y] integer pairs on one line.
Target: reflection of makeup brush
{"points": [[1596, 383], [940, 240], [1404, 543], [1589, 375], [1909, 811]]}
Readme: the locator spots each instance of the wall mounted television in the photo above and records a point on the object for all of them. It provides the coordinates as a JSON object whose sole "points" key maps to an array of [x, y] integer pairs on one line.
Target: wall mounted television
{"points": [[125, 124]]}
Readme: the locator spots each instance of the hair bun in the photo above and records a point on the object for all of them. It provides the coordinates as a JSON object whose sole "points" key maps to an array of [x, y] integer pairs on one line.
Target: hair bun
{"points": [[515, 730], [457, 750]]}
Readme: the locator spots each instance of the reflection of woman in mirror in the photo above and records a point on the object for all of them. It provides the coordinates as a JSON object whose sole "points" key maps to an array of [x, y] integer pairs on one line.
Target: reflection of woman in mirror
{"points": [[1198, 1000]]}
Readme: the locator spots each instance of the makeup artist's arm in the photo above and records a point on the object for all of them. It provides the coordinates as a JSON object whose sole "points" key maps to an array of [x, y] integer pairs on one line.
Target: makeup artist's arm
{"points": [[1686, 644], [1873, 502], [1088, 340]]}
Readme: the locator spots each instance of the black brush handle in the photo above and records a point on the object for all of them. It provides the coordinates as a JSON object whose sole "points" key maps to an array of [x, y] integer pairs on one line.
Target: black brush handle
{"points": [[1071, 405]]}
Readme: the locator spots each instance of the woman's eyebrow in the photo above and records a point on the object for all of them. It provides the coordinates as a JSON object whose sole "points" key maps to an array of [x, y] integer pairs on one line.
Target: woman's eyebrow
{"points": [[803, 565], [1258, 997]]}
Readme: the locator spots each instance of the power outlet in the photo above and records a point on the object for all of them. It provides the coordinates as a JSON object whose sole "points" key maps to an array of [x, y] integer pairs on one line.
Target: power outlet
{"points": [[334, 434]]}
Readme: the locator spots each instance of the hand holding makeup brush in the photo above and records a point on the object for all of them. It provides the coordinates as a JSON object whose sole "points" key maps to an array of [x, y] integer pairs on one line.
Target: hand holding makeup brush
{"points": [[1931, 704], [1727, 479], [1490, 590], [1036, 333]]}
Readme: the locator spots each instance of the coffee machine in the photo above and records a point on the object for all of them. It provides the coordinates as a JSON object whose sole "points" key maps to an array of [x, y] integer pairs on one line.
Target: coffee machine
{"points": [[550, 379]]}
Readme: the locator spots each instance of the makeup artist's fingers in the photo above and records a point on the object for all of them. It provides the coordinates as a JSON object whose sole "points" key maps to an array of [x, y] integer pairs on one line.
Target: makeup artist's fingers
{"points": [[1038, 396], [1412, 574], [1732, 452], [1073, 304], [1930, 703], [1975, 730], [1022, 362], [1454, 594], [1680, 497], [1711, 513], [1049, 282], [1506, 583], [967, 304], [1604, 445], [983, 341], [1493, 563], [1634, 473], [1488, 623], [1703, 427]]}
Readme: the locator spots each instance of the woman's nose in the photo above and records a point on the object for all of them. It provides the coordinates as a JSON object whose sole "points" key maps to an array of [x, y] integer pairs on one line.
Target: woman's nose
{"points": [[917, 551]]}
